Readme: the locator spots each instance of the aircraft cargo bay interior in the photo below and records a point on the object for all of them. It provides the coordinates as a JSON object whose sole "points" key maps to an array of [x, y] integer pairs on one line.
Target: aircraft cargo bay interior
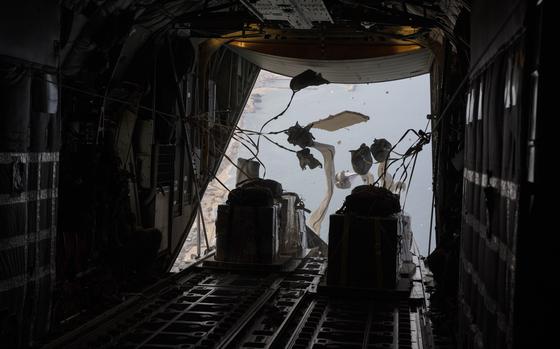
{"points": [[276, 174]]}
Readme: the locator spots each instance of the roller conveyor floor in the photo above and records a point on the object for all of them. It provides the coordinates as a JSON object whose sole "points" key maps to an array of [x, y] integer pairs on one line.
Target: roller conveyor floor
{"points": [[209, 308]]}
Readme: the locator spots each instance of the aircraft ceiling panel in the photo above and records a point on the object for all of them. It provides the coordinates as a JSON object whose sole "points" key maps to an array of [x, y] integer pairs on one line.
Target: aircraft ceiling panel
{"points": [[354, 71]]}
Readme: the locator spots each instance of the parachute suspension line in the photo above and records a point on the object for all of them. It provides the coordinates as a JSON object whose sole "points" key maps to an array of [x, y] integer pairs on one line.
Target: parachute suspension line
{"points": [[272, 119]]}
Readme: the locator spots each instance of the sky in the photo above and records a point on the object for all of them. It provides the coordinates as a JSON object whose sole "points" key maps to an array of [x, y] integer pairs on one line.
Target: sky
{"points": [[393, 107]]}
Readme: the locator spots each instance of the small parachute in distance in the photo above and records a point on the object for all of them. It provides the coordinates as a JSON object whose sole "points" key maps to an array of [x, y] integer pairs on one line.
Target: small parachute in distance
{"points": [[361, 159], [300, 136], [306, 79], [381, 149], [307, 159], [342, 179]]}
